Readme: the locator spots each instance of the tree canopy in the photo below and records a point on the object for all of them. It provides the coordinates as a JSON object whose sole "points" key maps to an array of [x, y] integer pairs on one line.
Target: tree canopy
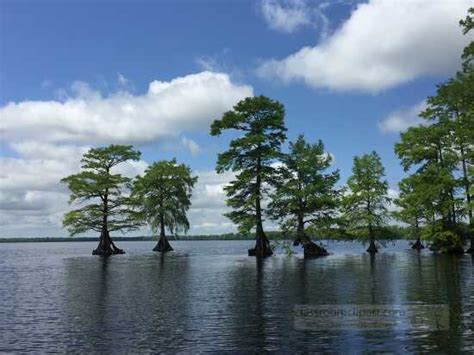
{"points": [[305, 193], [260, 120], [164, 196], [365, 204], [441, 151], [100, 194]]}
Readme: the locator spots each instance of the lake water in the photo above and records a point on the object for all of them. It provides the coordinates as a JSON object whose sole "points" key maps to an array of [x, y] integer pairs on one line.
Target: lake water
{"points": [[210, 296]]}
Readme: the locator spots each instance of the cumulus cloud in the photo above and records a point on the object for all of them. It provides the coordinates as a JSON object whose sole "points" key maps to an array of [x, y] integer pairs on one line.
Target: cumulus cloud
{"points": [[48, 139], [168, 108], [400, 120], [383, 44], [208, 204], [32, 200]]}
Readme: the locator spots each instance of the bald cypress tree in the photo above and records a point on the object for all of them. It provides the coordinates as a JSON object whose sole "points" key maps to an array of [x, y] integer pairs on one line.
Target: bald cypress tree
{"points": [[260, 121], [164, 196], [306, 193], [366, 202], [99, 194], [413, 206]]}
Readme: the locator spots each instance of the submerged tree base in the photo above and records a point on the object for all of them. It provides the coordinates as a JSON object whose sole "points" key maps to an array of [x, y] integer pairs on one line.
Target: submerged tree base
{"points": [[107, 252], [260, 253], [106, 246], [262, 248], [163, 245], [418, 245], [372, 249], [313, 250]]}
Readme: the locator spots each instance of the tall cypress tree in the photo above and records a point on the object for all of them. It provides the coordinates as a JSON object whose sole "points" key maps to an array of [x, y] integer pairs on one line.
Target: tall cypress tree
{"points": [[260, 120], [164, 196], [306, 192], [100, 194], [366, 202], [413, 203]]}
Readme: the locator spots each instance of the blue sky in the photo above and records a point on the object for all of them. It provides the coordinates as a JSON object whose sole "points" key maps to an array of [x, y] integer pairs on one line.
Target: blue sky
{"points": [[350, 74]]}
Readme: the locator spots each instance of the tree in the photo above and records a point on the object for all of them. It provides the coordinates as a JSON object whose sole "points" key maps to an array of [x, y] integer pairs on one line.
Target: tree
{"points": [[305, 192], [366, 200], [251, 156], [412, 206], [100, 193], [467, 25], [428, 150], [453, 104], [164, 196]]}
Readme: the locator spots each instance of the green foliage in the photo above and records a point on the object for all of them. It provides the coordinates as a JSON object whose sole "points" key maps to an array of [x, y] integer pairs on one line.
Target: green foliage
{"points": [[467, 25], [251, 156], [411, 204], [285, 246], [444, 241], [305, 192], [365, 202], [100, 192], [164, 195], [440, 153]]}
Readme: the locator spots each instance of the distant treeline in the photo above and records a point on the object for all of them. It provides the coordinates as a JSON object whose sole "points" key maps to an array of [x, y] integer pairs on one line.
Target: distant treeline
{"points": [[387, 233]]}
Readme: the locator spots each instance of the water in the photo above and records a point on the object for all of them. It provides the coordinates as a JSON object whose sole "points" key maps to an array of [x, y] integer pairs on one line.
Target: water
{"points": [[209, 296]]}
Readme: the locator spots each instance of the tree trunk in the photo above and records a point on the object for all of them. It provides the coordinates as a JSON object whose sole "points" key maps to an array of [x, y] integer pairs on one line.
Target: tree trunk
{"points": [[262, 245], [418, 245], [163, 245], [311, 250], [106, 246], [372, 249], [467, 188]]}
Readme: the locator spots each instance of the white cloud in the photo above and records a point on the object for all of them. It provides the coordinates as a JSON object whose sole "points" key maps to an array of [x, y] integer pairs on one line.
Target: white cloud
{"points": [[208, 204], [167, 109], [400, 120], [191, 146], [32, 200], [50, 137], [207, 63], [383, 44], [288, 16], [392, 194]]}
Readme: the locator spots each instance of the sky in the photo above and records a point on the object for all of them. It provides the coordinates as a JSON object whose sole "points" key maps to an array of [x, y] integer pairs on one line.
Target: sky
{"points": [[155, 74]]}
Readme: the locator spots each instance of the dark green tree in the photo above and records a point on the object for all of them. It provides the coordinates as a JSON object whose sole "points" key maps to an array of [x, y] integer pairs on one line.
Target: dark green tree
{"points": [[428, 151], [103, 205], [305, 193], [251, 157], [412, 203], [365, 204], [163, 195], [453, 107], [467, 25]]}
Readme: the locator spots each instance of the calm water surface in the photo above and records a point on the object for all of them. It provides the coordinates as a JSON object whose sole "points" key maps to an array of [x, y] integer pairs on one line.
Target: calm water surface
{"points": [[209, 296]]}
